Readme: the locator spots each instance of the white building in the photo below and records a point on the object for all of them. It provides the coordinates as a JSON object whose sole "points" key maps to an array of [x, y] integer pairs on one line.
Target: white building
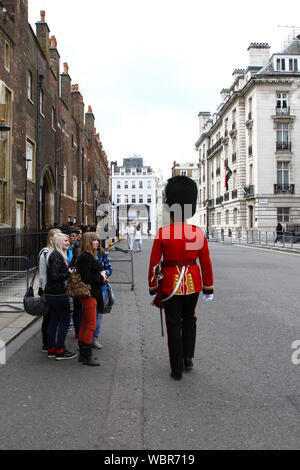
{"points": [[134, 195], [256, 130]]}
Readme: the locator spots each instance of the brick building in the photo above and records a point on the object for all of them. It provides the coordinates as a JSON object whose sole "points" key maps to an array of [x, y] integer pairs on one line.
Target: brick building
{"points": [[47, 163]]}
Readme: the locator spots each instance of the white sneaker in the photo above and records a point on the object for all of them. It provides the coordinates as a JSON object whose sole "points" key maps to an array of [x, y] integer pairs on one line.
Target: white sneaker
{"points": [[97, 345]]}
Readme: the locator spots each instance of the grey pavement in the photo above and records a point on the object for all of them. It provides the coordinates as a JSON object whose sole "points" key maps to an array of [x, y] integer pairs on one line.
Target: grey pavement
{"points": [[243, 394]]}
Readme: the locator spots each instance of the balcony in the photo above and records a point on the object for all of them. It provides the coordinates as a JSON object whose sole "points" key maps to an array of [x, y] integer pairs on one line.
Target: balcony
{"points": [[283, 146], [250, 151], [235, 194], [249, 191], [214, 148], [283, 111], [219, 200], [226, 197], [234, 157], [284, 188]]}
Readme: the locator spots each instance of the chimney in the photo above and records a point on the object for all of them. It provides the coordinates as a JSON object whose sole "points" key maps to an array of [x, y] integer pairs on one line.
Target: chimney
{"points": [[225, 94], [77, 106], [54, 57], [66, 86], [42, 34], [90, 123], [204, 117], [259, 54]]}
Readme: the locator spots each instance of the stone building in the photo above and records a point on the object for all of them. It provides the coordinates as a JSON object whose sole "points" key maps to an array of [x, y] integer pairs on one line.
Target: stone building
{"points": [[253, 140], [46, 163]]}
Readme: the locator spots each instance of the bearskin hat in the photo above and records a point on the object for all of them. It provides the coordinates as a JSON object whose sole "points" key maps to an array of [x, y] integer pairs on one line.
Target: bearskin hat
{"points": [[182, 191]]}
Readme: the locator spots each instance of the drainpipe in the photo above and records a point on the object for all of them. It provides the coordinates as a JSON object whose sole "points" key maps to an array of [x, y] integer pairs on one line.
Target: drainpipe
{"points": [[40, 79]]}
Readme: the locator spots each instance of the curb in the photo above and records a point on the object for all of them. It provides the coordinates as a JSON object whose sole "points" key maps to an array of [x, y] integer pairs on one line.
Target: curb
{"points": [[18, 333], [266, 247]]}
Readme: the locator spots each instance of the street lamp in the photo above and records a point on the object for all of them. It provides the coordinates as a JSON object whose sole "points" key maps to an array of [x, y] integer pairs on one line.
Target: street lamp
{"points": [[96, 194], [4, 130]]}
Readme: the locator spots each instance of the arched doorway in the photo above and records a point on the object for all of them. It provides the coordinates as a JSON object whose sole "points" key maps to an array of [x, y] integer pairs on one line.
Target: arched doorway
{"points": [[47, 199]]}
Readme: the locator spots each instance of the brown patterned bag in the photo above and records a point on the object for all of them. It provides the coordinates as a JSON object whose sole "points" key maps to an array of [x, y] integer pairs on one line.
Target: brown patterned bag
{"points": [[77, 288]]}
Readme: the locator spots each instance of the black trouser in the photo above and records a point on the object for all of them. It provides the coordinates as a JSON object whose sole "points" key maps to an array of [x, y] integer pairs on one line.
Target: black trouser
{"points": [[182, 329], [45, 325]]}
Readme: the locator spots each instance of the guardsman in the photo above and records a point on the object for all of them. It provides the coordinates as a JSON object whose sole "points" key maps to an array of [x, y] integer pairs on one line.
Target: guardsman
{"points": [[174, 274]]}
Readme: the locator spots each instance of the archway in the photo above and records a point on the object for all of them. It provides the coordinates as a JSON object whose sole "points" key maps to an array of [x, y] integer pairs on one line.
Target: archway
{"points": [[47, 199]]}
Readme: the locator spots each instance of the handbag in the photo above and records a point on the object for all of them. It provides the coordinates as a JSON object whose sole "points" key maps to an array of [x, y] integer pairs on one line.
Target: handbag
{"points": [[34, 306], [108, 298], [76, 288]]}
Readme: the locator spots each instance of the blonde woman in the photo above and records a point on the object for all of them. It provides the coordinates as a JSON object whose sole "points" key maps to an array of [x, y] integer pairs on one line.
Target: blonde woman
{"points": [[90, 272], [43, 281], [57, 274]]}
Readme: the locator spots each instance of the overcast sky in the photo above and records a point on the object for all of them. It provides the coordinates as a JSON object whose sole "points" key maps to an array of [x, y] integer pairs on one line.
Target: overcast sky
{"points": [[148, 68]]}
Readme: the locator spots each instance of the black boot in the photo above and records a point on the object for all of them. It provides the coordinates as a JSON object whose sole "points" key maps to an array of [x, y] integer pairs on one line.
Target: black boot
{"points": [[188, 364], [88, 359], [81, 351]]}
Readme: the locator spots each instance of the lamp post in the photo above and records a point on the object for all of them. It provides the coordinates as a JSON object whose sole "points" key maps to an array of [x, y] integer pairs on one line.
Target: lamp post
{"points": [[96, 194], [4, 130]]}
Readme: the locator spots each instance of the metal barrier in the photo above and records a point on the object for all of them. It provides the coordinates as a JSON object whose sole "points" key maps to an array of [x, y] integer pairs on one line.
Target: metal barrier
{"points": [[256, 237], [122, 260], [14, 282]]}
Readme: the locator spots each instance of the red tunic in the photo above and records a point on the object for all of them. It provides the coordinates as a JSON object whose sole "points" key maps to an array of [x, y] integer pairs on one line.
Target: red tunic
{"points": [[181, 245]]}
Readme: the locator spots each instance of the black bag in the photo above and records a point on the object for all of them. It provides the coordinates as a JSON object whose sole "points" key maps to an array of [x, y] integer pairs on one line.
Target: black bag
{"points": [[109, 299], [34, 306]]}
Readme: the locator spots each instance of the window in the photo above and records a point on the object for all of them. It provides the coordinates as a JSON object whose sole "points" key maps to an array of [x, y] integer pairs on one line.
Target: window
{"points": [[283, 134], [183, 173], [227, 217], [281, 65], [72, 142], [212, 191], [30, 159], [65, 179], [19, 215], [118, 184], [293, 65], [235, 216], [133, 185], [118, 199], [283, 173], [149, 185], [133, 199], [213, 219], [219, 218], [283, 214], [218, 189], [42, 102], [7, 57], [126, 198], [126, 185], [141, 186], [141, 199], [149, 199], [282, 101], [75, 186], [29, 86]]}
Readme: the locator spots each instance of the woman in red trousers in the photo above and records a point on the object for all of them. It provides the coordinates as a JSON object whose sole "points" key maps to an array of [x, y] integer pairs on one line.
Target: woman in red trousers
{"points": [[89, 269]]}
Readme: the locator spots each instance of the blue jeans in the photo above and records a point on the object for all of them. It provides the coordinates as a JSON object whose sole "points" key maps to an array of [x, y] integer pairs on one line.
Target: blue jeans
{"points": [[99, 323], [59, 321]]}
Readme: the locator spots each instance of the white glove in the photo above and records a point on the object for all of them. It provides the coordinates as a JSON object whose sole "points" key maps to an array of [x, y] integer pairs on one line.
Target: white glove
{"points": [[208, 298]]}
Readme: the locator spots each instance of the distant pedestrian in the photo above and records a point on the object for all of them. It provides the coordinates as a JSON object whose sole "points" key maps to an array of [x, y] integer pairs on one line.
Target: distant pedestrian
{"points": [[130, 232], [57, 274], [90, 272], [138, 238], [279, 232], [43, 281]]}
